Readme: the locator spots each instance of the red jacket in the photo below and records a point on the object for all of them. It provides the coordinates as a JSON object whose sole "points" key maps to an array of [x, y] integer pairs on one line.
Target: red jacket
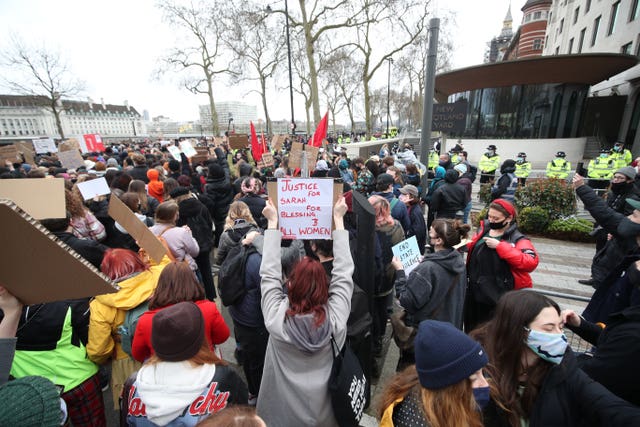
{"points": [[516, 250], [216, 330]]}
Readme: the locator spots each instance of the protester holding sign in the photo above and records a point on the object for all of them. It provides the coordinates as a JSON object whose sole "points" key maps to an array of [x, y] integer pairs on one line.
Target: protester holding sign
{"points": [[435, 289], [301, 324]]}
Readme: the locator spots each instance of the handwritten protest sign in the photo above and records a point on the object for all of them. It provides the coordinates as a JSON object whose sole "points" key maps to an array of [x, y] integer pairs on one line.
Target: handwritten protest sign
{"points": [[238, 141], [9, 152], [298, 150], [71, 159], [93, 188], [44, 145], [277, 141], [409, 254], [175, 152], [266, 160], [305, 208], [187, 148], [69, 145]]}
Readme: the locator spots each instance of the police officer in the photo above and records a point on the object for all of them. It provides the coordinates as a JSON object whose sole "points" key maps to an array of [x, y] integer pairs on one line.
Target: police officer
{"points": [[601, 170], [489, 162], [434, 160], [559, 167], [523, 168], [621, 155]]}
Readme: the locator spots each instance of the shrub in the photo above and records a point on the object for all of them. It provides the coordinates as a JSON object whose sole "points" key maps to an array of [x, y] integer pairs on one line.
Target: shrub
{"points": [[484, 194], [533, 219], [570, 228], [554, 196], [477, 218]]}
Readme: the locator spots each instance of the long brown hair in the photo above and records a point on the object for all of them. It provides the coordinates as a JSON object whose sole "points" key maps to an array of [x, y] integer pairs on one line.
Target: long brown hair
{"points": [[308, 290], [238, 210], [504, 337], [177, 283], [452, 406], [137, 186]]}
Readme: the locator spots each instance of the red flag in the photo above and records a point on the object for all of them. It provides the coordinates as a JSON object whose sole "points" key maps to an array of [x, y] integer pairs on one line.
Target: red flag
{"points": [[321, 132], [256, 149]]}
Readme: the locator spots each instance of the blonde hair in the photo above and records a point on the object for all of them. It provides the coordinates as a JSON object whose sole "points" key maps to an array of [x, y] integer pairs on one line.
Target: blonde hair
{"points": [[238, 210], [383, 211]]}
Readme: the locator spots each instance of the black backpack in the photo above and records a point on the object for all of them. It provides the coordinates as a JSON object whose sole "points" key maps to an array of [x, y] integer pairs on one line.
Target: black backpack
{"points": [[231, 275]]}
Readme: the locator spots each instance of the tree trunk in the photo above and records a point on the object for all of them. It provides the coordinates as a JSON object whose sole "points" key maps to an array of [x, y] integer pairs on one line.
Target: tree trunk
{"points": [[313, 72], [263, 95], [351, 119], [307, 106], [215, 128], [56, 115], [367, 106]]}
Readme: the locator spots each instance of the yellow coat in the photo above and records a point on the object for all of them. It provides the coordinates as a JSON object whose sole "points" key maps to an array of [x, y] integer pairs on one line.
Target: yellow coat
{"points": [[108, 312]]}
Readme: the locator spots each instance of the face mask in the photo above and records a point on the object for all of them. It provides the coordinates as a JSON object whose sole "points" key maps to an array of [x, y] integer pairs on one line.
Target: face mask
{"points": [[619, 187], [617, 149], [442, 163], [520, 160], [490, 153], [482, 396], [548, 346], [633, 275], [498, 225], [604, 155]]}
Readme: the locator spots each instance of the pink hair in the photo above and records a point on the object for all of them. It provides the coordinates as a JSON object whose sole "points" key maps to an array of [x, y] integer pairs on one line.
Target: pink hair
{"points": [[382, 209]]}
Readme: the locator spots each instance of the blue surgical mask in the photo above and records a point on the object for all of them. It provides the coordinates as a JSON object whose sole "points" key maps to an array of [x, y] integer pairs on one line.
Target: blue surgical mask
{"points": [[482, 396], [550, 347]]}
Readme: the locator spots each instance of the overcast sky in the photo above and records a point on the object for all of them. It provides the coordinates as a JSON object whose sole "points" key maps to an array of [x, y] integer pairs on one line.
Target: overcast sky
{"points": [[114, 47]]}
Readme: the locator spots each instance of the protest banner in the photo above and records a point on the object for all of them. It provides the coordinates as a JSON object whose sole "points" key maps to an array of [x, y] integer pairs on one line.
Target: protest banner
{"points": [[10, 153], [277, 141], [58, 269], [44, 145], [187, 148], [93, 142], [238, 141], [305, 206], [93, 188], [70, 159], [39, 197], [137, 229], [266, 160], [408, 253], [175, 152], [69, 145], [202, 156], [298, 150]]}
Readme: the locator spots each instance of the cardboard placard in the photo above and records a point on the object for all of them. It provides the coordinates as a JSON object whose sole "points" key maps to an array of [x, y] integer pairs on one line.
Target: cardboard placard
{"points": [[39, 197], [26, 149], [305, 210], [175, 152], [266, 160], [9, 152], [93, 188], [137, 229], [408, 253], [238, 141], [277, 141], [299, 149], [61, 272], [69, 145], [202, 156], [44, 145], [187, 148], [70, 159]]}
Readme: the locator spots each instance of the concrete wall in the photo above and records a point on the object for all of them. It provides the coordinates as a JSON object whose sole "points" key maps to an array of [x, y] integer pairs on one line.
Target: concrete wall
{"points": [[539, 151]]}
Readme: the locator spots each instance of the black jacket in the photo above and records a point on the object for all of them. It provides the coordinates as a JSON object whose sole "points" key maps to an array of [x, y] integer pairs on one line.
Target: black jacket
{"points": [[449, 198], [569, 398], [614, 363], [90, 250], [138, 172], [193, 213], [256, 204], [418, 226], [624, 233], [220, 192]]}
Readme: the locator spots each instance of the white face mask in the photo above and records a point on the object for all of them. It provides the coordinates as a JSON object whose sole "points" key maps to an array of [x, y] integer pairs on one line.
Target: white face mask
{"points": [[548, 346]]}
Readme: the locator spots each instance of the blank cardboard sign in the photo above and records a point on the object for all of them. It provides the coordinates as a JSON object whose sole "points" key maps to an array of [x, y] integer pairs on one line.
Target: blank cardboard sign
{"points": [[137, 229], [39, 197], [40, 268]]}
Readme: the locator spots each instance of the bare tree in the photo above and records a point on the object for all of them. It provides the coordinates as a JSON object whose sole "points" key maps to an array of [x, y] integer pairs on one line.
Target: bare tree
{"points": [[204, 50], [41, 73], [344, 73], [258, 47], [402, 18]]}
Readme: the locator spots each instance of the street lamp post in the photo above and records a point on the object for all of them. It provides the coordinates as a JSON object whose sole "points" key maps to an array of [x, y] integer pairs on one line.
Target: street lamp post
{"points": [[388, 93], [229, 124]]}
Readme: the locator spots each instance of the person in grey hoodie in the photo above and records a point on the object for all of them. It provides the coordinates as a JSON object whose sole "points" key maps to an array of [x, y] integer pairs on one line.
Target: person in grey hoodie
{"points": [[436, 288], [300, 324]]}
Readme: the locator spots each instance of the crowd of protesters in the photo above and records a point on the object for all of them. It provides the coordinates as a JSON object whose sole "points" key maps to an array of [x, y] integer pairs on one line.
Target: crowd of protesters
{"points": [[302, 298]]}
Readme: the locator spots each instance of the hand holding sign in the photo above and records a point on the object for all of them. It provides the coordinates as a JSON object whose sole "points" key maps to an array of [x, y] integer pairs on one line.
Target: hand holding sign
{"points": [[271, 214]]}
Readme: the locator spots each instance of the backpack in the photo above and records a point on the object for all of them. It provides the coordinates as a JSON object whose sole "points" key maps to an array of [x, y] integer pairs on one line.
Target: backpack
{"points": [[231, 275], [128, 328]]}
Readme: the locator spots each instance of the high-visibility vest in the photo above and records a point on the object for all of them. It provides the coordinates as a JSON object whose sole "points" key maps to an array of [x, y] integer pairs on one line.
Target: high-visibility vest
{"points": [[602, 167], [434, 159], [622, 159], [558, 168], [489, 164], [523, 169], [455, 158]]}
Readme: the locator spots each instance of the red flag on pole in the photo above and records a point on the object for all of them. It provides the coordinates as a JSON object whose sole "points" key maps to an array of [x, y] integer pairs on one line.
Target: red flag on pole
{"points": [[321, 131], [256, 149]]}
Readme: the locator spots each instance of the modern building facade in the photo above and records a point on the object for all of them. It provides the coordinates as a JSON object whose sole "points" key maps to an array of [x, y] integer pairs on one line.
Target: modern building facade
{"points": [[29, 117], [230, 114]]}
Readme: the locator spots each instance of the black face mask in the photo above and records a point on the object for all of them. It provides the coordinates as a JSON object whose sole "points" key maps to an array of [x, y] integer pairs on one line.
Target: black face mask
{"points": [[633, 275], [498, 225], [442, 163], [619, 187]]}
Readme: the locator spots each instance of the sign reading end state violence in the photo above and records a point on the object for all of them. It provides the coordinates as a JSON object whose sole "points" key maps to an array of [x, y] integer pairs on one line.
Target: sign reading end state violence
{"points": [[409, 254], [305, 208]]}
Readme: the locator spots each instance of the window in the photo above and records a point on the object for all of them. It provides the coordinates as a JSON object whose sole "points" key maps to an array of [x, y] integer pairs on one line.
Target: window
{"points": [[561, 25], [537, 44], [576, 13], [581, 40], [537, 15], [626, 49], [570, 46], [594, 34], [634, 10], [527, 17], [587, 6], [614, 16]]}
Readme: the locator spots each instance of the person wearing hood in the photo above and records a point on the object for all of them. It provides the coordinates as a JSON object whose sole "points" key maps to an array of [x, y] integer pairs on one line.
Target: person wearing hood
{"points": [[384, 187], [184, 381], [155, 186], [506, 186], [137, 281], [220, 191], [321, 169], [301, 324], [140, 168], [436, 288], [450, 199], [488, 164], [465, 181]]}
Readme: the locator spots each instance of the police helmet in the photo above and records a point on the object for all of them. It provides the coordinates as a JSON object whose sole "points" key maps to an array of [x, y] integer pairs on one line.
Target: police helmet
{"points": [[522, 154], [561, 154], [605, 150]]}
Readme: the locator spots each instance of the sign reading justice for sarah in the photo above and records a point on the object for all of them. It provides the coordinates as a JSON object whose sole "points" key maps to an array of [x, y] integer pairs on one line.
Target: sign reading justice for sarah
{"points": [[305, 208]]}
